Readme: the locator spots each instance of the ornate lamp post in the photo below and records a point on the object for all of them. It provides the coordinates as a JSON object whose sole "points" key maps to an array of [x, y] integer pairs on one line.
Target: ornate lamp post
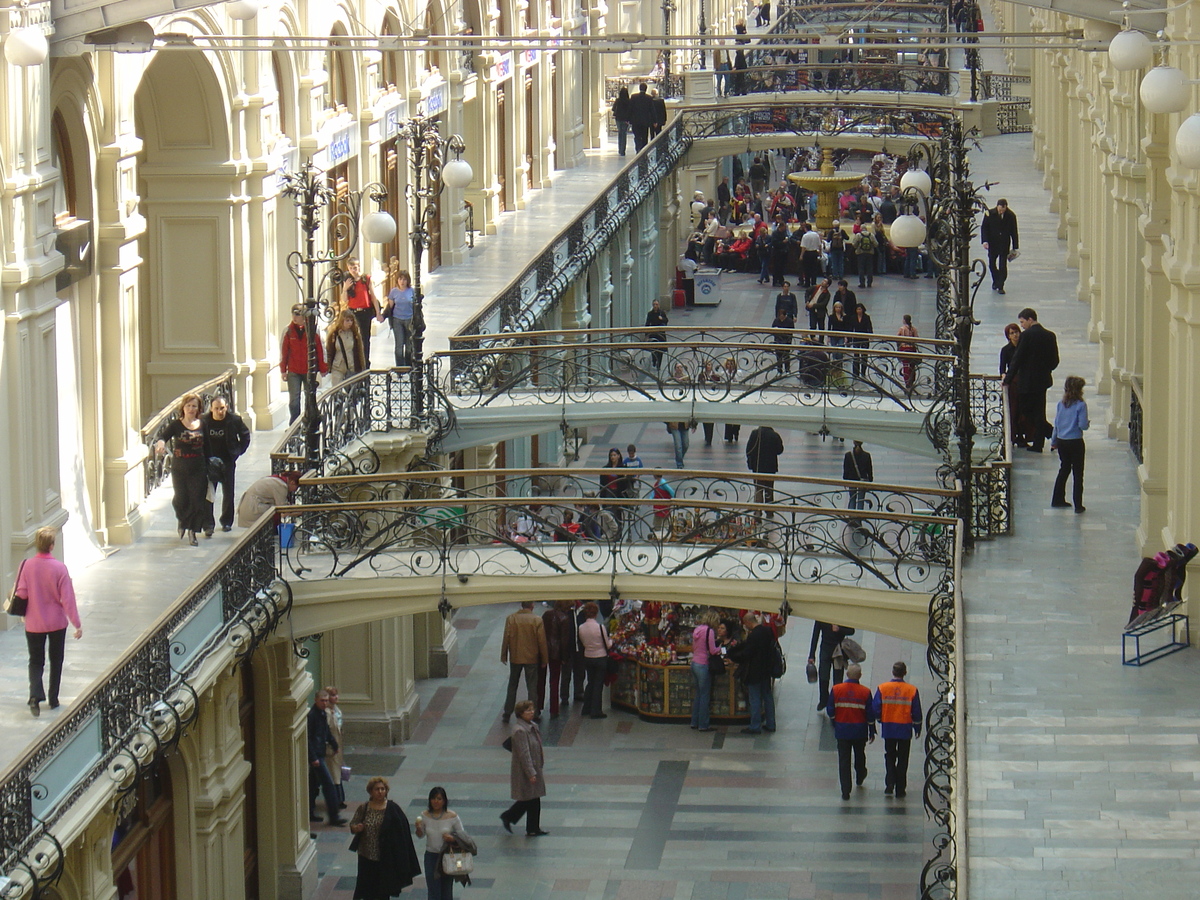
{"points": [[429, 174], [312, 194], [951, 201]]}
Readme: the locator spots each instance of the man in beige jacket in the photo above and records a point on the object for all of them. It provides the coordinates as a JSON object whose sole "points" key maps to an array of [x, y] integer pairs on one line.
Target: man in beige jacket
{"points": [[524, 651]]}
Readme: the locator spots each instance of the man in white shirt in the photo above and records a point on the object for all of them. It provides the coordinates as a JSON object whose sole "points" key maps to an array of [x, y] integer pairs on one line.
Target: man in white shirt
{"points": [[810, 256]]}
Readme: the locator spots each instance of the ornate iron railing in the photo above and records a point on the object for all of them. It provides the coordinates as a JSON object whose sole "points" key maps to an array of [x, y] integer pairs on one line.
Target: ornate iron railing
{"points": [[766, 542], [841, 78], [1136, 424], [137, 710], [944, 792], [1012, 117], [999, 85], [790, 374], [155, 468], [795, 18], [991, 470], [666, 85], [537, 290], [590, 483], [809, 114], [378, 400]]}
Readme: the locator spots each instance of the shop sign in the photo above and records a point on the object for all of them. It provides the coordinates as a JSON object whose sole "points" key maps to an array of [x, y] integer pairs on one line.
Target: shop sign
{"points": [[435, 102], [393, 118], [502, 68]]}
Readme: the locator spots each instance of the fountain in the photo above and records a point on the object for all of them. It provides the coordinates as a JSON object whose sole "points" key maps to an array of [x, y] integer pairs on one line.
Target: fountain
{"points": [[826, 184]]}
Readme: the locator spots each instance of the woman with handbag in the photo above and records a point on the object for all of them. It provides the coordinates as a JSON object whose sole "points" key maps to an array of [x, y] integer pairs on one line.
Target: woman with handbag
{"points": [[387, 860], [706, 658], [527, 778], [44, 590], [437, 825], [593, 638]]}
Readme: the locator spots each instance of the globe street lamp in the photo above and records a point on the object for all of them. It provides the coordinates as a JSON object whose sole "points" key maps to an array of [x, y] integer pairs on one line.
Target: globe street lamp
{"points": [[312, 194], [429, 174]]}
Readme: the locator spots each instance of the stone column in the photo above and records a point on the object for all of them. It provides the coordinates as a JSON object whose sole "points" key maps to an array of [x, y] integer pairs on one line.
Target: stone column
{"points": [[286, 854], [372, 665]]}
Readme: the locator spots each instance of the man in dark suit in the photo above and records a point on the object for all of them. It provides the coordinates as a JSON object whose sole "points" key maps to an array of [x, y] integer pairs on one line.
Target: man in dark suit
{"points": [[641, 116], [999, 236], [319, 779], [659, 105], [1035, 358]]}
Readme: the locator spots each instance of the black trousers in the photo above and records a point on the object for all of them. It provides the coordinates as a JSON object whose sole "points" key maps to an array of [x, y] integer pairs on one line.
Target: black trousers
{"points": [[1070, 455], [321, 782], [641, 136], [1032, 407], [859, 749], [364, 317], [531, 808], [227, 492], [824, 668], [593, 696], [36, 641], [998, 265], [895, 764]]}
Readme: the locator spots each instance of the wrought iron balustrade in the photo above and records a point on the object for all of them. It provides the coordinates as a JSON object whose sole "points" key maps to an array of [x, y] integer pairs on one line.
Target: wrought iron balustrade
{"points": [[794, 18], [139, 708], [520, 536], [772, 76], [605, 483], [537, 290], [812, 113], [156, 469], [1136, 422], [801, 373], [378, 400]]}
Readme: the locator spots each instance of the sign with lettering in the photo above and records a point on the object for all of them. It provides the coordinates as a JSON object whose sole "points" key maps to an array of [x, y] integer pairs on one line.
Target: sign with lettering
{"points": [[502, 68], [393, 117], [435, 102]]}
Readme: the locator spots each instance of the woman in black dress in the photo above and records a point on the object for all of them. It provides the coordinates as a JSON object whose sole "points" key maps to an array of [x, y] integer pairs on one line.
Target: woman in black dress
{"points": [[387, 860], [189, 469]]}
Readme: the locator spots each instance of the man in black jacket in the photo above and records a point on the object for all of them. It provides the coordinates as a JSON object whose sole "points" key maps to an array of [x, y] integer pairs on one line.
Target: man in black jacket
{"points": [[999, 236], [228, 438], [830, 637], [319, 779], [763, 450], [659, 106], [1032, 362], [755, 655], [641, 116], [857, 466]]}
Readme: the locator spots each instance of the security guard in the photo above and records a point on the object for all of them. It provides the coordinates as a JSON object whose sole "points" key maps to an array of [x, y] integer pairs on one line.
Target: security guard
{"points": [[897, 706], [853, 725]]}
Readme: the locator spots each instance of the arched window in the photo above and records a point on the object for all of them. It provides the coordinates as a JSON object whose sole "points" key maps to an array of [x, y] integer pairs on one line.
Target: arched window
{"points": [[337, 83]]}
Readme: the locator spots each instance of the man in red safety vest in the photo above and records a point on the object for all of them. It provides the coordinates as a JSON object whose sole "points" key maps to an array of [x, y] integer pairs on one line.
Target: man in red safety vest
{"points": [[853, 726], [897, 706]]}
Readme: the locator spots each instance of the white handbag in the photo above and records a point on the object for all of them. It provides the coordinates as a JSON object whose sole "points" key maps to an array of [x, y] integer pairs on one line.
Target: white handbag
{"points": [[457, 863]]}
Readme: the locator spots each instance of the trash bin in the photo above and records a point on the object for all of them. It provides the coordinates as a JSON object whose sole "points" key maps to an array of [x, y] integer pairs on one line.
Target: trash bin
{"points": [[708, 287]]}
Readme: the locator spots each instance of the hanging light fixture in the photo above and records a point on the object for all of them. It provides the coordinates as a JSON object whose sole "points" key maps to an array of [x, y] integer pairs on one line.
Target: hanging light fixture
{"points": [[26, 46], [457, 173], [1129, 50], [1187, 142], [907, 231], [916, 180], [379, 227], [1164, 90], [242, 9]]}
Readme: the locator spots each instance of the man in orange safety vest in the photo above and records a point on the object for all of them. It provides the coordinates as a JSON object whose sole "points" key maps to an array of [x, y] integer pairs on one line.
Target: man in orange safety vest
{"points": [[897, 706]]}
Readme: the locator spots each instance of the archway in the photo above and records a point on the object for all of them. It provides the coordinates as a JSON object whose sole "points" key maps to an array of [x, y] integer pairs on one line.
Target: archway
{"points": [[184, 309]]}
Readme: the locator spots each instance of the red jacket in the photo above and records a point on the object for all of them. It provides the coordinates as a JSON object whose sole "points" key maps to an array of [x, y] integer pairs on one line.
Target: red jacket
{"points": [[293, 355]]}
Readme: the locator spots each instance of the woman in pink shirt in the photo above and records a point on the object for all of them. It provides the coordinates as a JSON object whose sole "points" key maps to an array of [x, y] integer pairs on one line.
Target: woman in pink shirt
{"points": [[46, 583], [593, 639]]}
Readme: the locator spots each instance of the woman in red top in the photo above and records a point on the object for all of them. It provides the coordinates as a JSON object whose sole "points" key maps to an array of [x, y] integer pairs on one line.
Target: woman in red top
{"points": [[45, 582], [360, 299]]}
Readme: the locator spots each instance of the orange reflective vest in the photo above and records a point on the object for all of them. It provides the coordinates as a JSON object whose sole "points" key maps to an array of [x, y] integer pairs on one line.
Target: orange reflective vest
{"points": [[898, 708]]}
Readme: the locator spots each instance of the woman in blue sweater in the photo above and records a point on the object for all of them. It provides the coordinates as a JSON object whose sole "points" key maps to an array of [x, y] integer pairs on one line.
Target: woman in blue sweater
{"points": [[1070, 422]]}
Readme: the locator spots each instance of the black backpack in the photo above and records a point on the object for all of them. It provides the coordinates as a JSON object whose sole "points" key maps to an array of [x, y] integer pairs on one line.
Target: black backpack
{"points": [[778, 661]]}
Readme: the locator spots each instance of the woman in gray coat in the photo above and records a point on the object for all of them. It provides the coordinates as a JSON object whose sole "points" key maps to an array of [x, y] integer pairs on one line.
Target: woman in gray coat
{"points": [[527, 778]]}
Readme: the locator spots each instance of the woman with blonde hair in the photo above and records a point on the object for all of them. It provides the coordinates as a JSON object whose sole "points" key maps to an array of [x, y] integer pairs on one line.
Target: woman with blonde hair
{"points": [[189, 469], [344, 348], [1070, 422], [400, 313], [387, 859]]}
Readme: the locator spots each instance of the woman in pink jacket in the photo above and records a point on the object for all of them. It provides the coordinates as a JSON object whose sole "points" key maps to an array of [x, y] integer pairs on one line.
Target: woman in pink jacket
{"points": [[45, 582]]}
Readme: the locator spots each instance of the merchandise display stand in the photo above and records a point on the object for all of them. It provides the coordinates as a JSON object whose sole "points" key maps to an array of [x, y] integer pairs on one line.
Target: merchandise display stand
{"points": [[1132, 651]]}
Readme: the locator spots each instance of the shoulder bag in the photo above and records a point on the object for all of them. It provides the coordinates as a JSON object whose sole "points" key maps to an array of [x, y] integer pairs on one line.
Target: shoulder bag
{"points": [[16, 605], [853, 651], [457, 862]]}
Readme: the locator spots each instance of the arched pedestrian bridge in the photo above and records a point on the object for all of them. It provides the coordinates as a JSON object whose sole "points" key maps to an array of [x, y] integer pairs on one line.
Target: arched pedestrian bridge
{"points": [[369, 547], [505, 386]]}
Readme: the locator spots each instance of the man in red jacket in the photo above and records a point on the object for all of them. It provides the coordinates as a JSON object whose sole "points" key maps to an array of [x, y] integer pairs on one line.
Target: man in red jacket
{"points": [[293, 359]]}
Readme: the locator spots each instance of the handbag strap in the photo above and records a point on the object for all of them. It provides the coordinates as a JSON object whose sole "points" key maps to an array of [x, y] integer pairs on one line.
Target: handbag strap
{"points": [[21, 568]]}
